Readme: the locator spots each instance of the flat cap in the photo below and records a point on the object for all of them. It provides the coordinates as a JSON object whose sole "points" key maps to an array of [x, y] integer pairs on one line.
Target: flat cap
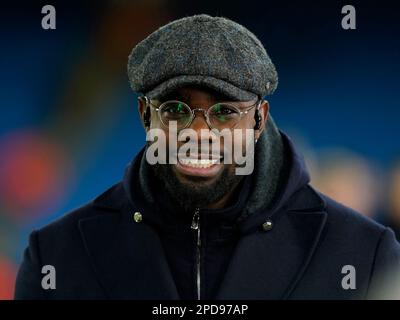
{"points": [[210, 51]]}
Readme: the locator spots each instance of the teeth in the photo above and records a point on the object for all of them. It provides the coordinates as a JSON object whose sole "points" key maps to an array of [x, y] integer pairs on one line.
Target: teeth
{"points": [[194, 156], [198, 163]]}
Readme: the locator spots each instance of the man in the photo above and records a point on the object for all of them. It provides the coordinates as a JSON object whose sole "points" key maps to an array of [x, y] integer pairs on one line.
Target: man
{"points": [[196, 227]]}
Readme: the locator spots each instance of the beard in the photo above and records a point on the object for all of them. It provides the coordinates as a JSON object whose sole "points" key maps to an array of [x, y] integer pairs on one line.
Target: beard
{"points": [[195, 192]]}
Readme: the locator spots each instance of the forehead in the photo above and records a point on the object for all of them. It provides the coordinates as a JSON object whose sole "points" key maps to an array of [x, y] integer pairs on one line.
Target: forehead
{"points": [[196, 92]]}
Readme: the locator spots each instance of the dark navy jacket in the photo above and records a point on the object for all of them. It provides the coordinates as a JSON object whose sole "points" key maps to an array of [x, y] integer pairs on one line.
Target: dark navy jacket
{"points": [[100, 252]]}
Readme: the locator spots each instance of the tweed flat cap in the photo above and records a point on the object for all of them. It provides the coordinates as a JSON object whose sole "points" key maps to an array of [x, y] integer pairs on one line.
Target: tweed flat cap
{"points": [[211, 51]]}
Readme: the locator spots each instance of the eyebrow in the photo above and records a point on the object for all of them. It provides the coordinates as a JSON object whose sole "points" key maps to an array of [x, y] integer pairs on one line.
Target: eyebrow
{"points": [[172, 96]]}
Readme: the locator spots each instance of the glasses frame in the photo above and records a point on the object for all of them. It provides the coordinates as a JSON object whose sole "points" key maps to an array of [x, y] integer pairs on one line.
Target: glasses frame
{"points": [[204, 111]]}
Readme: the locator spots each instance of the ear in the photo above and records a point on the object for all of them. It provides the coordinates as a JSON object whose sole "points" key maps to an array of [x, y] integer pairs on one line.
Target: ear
{"points": [[142, 106], [263, 110]]}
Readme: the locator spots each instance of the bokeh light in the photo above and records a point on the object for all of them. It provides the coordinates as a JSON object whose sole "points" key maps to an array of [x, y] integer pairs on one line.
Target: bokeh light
{"points": [[8, 273], [34, 173]]}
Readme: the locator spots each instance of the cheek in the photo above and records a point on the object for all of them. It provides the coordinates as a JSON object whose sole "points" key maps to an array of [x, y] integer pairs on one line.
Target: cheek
{"points": [[244, 140], [248, 122]]}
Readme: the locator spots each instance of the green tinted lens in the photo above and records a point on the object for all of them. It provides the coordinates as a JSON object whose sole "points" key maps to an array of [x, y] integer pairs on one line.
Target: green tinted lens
{"points": [[223, 115], [175, 111]]}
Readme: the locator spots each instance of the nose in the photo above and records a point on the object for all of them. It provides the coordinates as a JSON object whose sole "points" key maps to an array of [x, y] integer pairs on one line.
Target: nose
{"points": [[200, 121]]}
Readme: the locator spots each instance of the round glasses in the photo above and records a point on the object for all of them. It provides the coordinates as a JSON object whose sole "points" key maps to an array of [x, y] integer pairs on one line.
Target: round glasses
{"points": [[222, 115]]}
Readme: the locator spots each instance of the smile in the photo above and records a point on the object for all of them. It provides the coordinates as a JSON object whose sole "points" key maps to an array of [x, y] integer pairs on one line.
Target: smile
{"points": [[198, 167], [198, 163]]}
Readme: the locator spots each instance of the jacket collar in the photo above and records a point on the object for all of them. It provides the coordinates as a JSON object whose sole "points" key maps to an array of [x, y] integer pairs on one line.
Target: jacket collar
{"points": [[293, 178], [268, 182]]}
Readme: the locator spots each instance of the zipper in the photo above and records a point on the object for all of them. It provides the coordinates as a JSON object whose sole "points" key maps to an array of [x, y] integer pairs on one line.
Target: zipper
{"points": [[196, 226]]}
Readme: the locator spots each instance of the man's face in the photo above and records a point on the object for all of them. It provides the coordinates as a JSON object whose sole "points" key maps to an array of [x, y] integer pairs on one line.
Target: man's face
{"points": [[194, 183]]}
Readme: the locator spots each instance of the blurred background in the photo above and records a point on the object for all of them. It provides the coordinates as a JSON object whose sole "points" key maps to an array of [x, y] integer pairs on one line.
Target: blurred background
{"points": [[69, 123]]}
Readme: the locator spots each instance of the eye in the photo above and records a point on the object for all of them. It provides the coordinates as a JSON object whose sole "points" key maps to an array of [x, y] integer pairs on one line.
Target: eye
{"points": [[221, 110], [175, 108]]}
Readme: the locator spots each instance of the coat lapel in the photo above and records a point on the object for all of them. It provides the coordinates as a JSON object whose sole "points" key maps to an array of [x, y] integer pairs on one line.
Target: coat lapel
{"points": [[269, 264], [127, 257]]}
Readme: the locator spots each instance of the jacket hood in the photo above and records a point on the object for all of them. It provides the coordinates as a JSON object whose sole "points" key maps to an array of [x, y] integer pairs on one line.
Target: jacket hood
{"points": [[293, 177]]}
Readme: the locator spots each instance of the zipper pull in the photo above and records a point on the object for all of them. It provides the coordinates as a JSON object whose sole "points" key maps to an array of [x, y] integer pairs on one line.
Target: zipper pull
{"points": [[195, 220]]}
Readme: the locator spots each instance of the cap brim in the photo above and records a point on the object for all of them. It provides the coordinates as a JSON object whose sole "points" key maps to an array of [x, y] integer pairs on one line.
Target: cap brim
{"points": [[218, 85]]}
